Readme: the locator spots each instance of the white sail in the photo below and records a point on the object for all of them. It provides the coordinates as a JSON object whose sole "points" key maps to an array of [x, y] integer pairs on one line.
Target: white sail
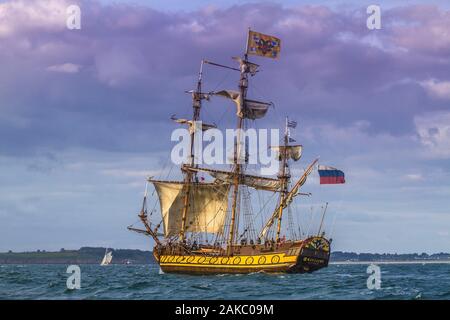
{"points": [[107, 259], [207, 206]]}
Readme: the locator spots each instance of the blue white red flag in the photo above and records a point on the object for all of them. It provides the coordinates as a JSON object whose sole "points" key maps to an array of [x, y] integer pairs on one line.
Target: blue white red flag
{"points": [[330, 175]]}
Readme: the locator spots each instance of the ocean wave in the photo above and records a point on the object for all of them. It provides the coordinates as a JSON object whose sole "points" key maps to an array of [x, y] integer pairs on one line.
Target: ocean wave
{"points": [[335, 282]]}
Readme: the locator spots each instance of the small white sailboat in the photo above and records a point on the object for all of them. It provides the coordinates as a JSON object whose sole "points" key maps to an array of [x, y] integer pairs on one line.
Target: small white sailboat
{"points": [[107, 258]]}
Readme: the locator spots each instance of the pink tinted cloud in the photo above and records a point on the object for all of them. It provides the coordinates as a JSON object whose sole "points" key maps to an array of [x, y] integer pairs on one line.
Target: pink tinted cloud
{"points": [[422, 29], [331, 66]]}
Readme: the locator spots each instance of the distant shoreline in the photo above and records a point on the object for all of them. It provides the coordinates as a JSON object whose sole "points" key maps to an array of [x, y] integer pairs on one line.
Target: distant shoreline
{"points": [[94, 255], [85, 255]]}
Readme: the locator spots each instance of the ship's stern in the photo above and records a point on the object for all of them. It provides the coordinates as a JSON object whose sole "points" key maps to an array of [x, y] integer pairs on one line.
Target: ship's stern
{"points": [[314, 255]]}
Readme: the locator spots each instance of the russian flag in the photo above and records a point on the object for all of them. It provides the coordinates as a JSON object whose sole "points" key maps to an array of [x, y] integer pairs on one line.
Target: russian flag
{"points": [[330, 175]]}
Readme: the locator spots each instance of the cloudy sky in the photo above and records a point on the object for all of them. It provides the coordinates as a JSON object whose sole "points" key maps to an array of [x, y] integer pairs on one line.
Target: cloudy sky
{"points": [[84, 114]]}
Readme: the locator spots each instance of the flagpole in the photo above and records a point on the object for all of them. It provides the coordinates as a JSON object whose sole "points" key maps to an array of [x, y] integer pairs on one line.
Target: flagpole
{"points": [[246, 45], [323, 216]]}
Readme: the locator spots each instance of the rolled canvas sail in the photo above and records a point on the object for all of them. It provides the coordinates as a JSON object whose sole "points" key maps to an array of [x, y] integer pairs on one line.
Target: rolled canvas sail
{"points": [[256, 182], [292, 152], [193, 125], [256, 109], [253, 109], [206, 212]]}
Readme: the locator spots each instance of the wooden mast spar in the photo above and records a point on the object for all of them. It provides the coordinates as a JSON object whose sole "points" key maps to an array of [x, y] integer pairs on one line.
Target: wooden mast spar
{"points": [[284, 180], [243, 85], [197, 97]]}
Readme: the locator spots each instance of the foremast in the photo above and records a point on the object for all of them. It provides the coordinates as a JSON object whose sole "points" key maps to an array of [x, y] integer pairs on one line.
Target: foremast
{"points": [[197, 98], [187, 188], [288, 198]]}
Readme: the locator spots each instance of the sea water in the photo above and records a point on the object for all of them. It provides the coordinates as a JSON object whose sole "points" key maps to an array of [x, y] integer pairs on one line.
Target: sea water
{"points": [[398, 281]]}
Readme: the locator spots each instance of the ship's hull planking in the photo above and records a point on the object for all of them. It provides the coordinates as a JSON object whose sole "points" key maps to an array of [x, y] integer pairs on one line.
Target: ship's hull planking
{"points": [[295, 257]]}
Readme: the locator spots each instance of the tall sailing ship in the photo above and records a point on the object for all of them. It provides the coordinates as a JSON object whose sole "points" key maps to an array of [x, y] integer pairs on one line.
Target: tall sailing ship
{"points": [[208, 227]]}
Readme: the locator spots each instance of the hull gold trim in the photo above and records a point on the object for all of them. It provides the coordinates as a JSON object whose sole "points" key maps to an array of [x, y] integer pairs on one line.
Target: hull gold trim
{"points": [[298, 258]]}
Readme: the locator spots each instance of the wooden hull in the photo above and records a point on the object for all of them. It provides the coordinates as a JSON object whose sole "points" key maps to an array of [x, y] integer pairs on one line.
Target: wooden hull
{"points": [[294, 257]]}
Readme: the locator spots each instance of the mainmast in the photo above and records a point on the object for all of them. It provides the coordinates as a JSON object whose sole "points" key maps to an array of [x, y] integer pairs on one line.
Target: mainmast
{"points": [[197, 97], [284, 177], [261, 45], [243, 85]]}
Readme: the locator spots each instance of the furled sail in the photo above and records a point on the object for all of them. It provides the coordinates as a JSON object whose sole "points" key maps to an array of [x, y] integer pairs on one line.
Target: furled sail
{"points": [[206, 212], [292, 152], [256, 182], [294, 192], [256, 109], [193, 124], [247, 66], [253, 109]]}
